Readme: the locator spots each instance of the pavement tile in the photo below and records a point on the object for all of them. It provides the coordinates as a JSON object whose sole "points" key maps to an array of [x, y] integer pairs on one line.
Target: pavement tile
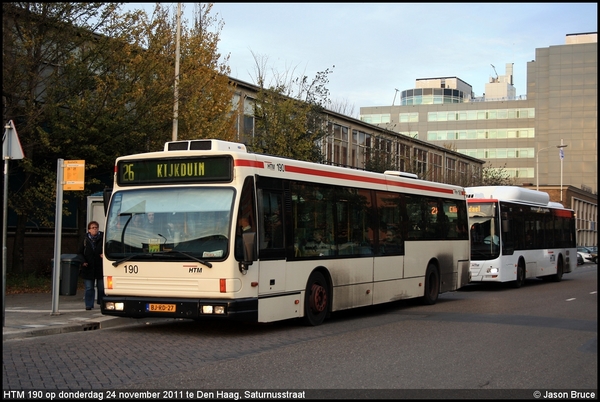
{"points": [[34, 314]]}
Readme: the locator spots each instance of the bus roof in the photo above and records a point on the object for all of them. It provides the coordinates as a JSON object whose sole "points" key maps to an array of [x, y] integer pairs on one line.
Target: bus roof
{"points": [[510, 193], [205, 145]]}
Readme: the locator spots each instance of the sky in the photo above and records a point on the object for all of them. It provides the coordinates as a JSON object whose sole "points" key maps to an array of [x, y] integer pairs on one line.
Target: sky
{"points": [[375, 49]]}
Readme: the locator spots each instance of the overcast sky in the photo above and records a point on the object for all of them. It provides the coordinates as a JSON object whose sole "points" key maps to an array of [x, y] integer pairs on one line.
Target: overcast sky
{"points": [[377, 48]]}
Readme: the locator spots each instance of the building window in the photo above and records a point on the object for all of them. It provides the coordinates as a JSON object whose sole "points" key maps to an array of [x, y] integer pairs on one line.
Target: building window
{"points": [[452, 135], [498, 153], [361, 144], [376, 118], [463, 169], [492, 114], [450, 170], [248, 126], [404, 156], [436, 164], [421, 162]]}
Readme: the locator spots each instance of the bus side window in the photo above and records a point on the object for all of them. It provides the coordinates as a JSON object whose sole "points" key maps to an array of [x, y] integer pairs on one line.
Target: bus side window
{"points": [[272, 220]]}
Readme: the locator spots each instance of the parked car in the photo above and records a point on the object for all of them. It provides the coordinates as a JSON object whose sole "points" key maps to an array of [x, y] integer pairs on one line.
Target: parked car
{"points": [[587, 254], [579, 259]]}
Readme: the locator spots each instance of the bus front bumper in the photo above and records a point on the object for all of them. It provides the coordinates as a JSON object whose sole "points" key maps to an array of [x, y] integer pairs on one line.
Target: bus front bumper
{"points": [[195, 309]]}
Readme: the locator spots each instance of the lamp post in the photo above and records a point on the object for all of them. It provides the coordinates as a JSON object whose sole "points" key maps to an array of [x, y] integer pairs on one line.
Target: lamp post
{"points": [[537, 168], [562, 156], [176, 85]]}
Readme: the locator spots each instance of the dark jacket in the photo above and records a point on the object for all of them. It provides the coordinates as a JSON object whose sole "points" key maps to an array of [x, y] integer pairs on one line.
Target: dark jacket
{"points": [[90, 252]]}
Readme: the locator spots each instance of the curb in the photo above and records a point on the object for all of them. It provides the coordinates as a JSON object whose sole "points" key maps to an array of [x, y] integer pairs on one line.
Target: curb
{"points": [[107, 322]]}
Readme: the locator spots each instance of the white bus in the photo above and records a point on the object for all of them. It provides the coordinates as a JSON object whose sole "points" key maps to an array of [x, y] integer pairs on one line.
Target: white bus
{"points": [[205, 229], [517, 233]]}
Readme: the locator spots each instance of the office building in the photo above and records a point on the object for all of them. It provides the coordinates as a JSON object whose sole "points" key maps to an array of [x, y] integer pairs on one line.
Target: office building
{"points": [[546, 139]]}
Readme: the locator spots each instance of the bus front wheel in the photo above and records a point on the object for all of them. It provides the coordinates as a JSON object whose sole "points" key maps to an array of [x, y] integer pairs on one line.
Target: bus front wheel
{"points": [[316, 299], [520, 281], [432, 285]]}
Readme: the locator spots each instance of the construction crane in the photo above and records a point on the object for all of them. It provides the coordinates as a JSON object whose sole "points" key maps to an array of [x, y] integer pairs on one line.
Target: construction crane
{"points": [[495, 79]]}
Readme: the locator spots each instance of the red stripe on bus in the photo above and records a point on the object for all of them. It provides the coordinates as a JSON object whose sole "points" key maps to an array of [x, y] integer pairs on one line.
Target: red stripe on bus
{"points": [[482, 200], [249, 163], [353, 177], [417, 186], [566, 213], [333, 175], [344, 176]]}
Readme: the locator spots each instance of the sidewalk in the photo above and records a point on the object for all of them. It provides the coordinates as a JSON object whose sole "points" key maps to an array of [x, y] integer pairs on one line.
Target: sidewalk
{"points": [[30, 314]]}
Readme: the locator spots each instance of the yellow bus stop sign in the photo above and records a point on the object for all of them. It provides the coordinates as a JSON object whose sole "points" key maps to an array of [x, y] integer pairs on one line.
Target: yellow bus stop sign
{"points": [[74, 175]]}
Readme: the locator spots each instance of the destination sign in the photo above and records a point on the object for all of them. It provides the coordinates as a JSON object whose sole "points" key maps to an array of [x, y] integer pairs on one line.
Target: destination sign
{"points": [[175, 170], [484, 209]]}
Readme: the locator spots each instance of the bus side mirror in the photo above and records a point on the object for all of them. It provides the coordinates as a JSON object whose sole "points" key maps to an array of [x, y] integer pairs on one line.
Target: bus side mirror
{"points": [[249, 244], [106, 194]]}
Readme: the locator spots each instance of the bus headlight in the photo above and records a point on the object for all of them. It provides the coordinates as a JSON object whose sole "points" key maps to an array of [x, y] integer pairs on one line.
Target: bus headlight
{"points": [[213, 310], [492, 270], [114, 306]]}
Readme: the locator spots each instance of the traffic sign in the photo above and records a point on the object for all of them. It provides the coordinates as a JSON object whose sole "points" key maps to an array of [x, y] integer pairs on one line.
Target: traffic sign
{"points": [[11, 146]]}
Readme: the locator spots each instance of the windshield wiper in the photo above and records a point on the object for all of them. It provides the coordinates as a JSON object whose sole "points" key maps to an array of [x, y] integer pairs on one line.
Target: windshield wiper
{"points": [[208, 264], [128, 258]]}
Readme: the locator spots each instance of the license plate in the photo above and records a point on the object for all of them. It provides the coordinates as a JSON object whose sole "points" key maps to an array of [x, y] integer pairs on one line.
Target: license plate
{"points": [[161, 308]]}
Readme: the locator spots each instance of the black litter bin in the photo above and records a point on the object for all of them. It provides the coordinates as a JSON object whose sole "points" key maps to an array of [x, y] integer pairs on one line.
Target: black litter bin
{"points": [[69, 274]]}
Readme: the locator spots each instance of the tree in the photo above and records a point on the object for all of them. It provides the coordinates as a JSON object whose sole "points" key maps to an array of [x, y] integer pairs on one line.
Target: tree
{"points": [[343, 107], [492, 176], [40, 43], [289, 114], [379, 158], [83, 81], [205, 89]]}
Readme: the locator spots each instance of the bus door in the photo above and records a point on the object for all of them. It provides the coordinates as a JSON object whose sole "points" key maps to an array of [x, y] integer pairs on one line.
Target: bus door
{"points": [[392, 233], [271, 241], [275, 300]]}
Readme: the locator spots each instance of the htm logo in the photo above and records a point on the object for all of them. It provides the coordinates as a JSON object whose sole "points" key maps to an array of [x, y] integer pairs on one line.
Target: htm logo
{"points": [[14, 395]]}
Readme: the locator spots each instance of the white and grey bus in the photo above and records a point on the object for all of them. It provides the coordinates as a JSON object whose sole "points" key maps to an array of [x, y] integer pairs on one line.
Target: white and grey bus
{"points": [[518, 233]]}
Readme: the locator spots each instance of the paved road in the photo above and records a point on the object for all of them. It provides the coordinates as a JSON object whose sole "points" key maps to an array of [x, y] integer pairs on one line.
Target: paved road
{"points": [[479, 339]]}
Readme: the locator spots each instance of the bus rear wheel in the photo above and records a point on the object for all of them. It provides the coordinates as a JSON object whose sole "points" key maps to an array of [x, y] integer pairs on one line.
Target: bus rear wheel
{"points": [[557, 277], [316, 299], [432, 285]]}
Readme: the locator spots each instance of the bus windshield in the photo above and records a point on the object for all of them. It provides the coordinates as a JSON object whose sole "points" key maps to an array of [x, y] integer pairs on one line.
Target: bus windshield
{"points": [[485, 231], [169, 222]]}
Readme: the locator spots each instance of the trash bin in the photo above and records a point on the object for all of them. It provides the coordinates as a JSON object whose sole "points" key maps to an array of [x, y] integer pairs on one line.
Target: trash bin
{"points": [[69, 274]]}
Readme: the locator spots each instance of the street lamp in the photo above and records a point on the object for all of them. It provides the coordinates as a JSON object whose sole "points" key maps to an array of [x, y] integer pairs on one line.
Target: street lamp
{"points": [[562, 156]]}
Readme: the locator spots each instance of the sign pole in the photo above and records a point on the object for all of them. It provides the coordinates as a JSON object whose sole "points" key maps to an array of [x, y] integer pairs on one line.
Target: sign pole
{"points": [[70, 175], [57, 236], [11, 149], [4, 248]]}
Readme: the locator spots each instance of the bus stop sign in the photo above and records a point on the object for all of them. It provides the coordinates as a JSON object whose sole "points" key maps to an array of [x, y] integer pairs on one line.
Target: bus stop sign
{"points": [[74, 175]]}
